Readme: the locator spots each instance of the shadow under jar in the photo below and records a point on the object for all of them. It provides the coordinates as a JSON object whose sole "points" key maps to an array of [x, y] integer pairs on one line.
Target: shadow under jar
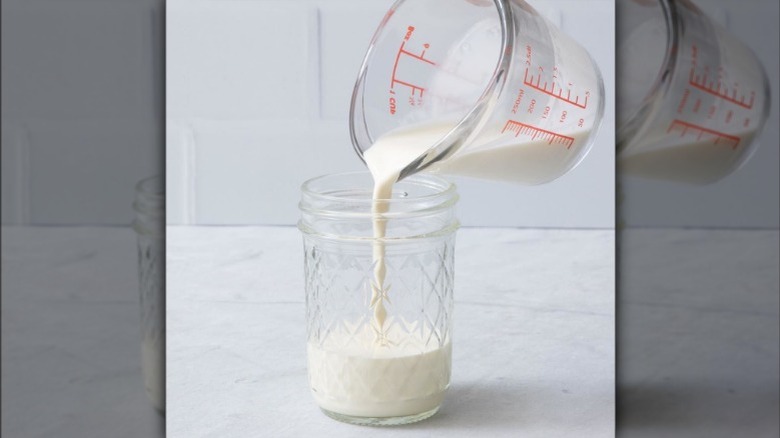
{"points": [[378, 309]]}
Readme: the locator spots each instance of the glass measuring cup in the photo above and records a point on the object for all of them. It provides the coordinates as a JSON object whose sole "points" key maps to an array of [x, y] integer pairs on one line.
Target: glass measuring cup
{"points": [[692, 97], [506, 94]]}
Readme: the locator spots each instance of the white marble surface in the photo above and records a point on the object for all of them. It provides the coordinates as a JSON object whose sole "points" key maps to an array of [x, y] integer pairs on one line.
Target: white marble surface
{"points": [[533, 348], [71, 351]]}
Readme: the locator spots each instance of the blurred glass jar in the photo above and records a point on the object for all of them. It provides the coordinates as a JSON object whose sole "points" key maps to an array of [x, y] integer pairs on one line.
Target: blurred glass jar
{"points": [[361, 370], [149, 225]]}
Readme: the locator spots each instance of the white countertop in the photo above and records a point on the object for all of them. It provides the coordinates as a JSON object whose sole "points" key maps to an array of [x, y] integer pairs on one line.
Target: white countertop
{"points": [[533, 342], [703, 358], [71, 352]]}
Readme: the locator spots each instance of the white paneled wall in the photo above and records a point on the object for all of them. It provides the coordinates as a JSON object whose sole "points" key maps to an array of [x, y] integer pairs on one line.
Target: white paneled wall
{"points": [[78, 130], [258, 97]]}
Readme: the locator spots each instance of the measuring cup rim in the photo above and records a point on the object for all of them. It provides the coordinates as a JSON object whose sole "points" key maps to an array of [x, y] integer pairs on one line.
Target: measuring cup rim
{"points": [[474, 117]]}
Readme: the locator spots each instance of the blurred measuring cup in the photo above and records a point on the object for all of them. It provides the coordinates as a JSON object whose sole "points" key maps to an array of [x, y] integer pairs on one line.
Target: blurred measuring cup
{"points": [[497, 91], [691, 98]]}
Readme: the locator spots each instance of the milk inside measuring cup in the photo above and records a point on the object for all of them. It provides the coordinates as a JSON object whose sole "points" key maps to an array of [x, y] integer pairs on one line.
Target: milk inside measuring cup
{"points": [[692, 102], [523, 161]]}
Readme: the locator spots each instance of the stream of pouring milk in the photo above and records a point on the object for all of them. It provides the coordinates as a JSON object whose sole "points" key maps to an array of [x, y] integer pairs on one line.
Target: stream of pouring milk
{"points": [[382, 372], [385, 160]]}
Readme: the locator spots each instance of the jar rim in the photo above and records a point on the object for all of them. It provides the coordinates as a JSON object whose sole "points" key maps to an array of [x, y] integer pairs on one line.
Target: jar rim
{"points": [[448, 189], [346, 198]]}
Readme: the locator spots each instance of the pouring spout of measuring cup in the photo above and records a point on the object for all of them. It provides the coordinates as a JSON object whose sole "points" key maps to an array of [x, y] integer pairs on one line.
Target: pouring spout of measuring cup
{"points": [[443, 83], [497, 91]]}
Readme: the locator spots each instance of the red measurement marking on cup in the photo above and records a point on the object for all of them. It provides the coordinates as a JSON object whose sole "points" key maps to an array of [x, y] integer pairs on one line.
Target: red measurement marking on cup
{"points": [[685, 128], [535, 81], [718, 89], [534, 132], [418, 56]]}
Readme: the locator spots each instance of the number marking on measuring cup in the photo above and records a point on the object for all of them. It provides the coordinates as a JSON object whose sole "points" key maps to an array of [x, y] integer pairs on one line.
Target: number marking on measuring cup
{"points": [[684, 128], [535, 82], [717, 89], [548, 87], [403, 52], [534, 132]]}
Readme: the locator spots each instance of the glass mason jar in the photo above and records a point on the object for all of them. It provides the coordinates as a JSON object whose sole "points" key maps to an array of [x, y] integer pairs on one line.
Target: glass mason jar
{"points": [[149, 225], [378, 309]]}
